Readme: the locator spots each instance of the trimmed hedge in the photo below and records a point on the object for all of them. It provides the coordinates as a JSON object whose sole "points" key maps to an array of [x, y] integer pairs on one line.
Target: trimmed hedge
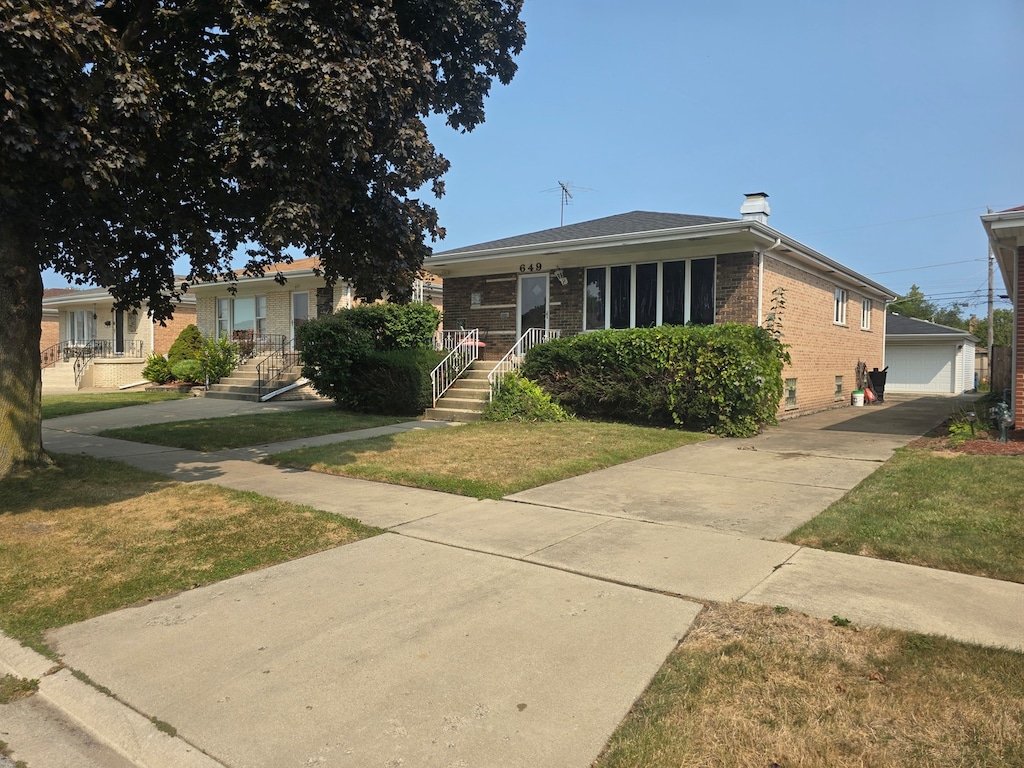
{"points": [[394, 383], [374, 358], [726, 379]]}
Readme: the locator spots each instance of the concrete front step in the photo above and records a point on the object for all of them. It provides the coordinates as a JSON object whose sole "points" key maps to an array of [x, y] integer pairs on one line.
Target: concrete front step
{"points": [[452, 414]]}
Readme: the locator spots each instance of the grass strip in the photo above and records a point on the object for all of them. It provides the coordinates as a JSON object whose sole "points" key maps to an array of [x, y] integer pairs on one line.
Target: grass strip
{"points": [[757, 686], [944, 510], [251, 429], [55, 406], [85, 537], [488, 460]]}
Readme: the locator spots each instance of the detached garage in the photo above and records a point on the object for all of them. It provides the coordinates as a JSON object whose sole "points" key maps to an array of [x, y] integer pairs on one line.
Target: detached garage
{"points": [[927, 358]]}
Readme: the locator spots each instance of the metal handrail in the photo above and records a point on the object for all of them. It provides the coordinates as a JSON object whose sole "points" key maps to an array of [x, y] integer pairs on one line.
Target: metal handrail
{"points": [[269, 368], [464, 352], [102, 348], [513, 359], [82, 360]]}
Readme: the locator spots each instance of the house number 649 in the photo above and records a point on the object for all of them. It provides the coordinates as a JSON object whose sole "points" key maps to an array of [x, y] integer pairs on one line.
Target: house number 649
{"points": [[530, 267]]}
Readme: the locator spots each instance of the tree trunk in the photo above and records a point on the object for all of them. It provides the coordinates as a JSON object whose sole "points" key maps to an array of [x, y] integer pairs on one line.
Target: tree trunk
{"points": [[21, 315]]}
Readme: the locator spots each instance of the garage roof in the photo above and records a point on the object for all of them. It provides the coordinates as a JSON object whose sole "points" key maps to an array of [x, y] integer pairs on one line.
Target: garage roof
{"points": [[911, 327]]}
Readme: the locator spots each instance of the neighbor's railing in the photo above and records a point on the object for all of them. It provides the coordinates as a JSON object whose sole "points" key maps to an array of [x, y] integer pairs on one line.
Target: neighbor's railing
{"points": [[102, 348], [251, 344], [464, 349], [281, 357], [513, 359]]}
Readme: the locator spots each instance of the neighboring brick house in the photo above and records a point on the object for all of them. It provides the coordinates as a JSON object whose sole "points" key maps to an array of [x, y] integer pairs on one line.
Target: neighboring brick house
{"points": [[1005, 231], [263, 308], [645, 269], [120, 341]]}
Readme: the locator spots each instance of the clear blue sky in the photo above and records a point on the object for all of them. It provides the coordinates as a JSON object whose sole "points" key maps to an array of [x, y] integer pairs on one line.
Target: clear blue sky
{"points": [[880, 129]]}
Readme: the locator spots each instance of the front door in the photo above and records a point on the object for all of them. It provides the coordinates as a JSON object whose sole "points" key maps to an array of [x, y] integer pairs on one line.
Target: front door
{"points": [[533, 303], [119, 332]]}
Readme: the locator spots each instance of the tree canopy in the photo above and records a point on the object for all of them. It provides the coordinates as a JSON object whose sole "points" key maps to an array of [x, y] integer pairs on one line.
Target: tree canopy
{"points": [[135, 132], [139, 132]]}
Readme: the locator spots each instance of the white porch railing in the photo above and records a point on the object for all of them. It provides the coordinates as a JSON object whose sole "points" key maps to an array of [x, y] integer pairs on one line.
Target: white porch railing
{"points": [[514, 357], [463, 349]]}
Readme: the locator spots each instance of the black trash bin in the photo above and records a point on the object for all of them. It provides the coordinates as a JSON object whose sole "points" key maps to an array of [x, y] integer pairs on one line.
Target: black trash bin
{"points": [[878, 382]]}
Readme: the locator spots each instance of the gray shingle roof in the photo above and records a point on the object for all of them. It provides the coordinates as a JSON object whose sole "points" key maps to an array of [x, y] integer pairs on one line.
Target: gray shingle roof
{"points": [[620, 224], [897, 325]]}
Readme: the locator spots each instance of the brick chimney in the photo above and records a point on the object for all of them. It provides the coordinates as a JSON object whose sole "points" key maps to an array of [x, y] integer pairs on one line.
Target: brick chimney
{"points": [[755, 207]]}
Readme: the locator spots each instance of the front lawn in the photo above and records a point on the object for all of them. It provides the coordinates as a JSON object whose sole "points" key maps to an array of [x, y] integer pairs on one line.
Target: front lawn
{"points": [[939, 509], [251, 429], [85, 537], [760, 687], [55, 406], [489, 460]]}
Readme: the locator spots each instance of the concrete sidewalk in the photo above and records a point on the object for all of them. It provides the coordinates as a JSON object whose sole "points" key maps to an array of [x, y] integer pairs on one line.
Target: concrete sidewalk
{"points": [[514, 632]]}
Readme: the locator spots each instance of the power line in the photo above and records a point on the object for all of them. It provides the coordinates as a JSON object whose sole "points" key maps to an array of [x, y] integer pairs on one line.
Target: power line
{"points": [[930, 266]]}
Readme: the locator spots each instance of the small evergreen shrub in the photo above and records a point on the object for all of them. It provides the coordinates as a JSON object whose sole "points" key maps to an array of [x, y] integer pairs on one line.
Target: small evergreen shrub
{"points": [[341, 356], [520, 399], [723, 378], [395, 382], [190, 371], [396, 326], [187, 346], [157, 369]]}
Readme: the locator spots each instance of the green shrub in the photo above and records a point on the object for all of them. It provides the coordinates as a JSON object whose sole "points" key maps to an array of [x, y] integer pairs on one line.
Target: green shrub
{"points": [[157, 369], [332, 349], [219, 357], [396, 326], [396, 383], [188, 371], [520, 399], [187, 346], [336, 352], [723, 378]]}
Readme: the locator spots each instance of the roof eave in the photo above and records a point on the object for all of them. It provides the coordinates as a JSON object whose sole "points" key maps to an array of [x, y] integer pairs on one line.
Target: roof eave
{"points": [[694, 232]]}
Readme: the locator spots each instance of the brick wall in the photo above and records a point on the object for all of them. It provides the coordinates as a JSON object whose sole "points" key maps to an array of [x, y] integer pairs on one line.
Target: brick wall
{"points": [[50, 334], [279, 312], [736, 288], [495, 310], [821, 349], [1018, 338], [113, 373], [164, 335]]}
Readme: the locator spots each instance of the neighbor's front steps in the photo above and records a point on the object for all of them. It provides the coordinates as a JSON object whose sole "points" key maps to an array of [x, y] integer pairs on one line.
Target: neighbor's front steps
{"points": [[59, 378], [466, 399], [242, 383]]}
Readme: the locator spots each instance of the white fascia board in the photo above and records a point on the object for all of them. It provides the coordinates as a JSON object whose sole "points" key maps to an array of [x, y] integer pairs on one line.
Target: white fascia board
{"points": [[215, 286], [757, 232], [1005, 232], [910, 338]]}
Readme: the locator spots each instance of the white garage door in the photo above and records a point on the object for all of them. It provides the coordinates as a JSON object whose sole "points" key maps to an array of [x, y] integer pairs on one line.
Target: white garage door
{"points": [[921, 369]]}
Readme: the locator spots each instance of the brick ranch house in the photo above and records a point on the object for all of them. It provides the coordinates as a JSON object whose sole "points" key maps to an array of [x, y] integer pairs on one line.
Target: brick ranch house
{"points": [[265, 309], [1005, 231], [644, 269], [75, 320]]}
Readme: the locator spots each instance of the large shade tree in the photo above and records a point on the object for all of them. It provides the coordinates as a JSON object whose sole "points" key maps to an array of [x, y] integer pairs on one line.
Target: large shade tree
{"points": [[136, 132]]}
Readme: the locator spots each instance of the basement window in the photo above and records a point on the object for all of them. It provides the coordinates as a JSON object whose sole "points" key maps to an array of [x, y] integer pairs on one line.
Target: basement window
{"points": [[790, 394], [839, 388]]}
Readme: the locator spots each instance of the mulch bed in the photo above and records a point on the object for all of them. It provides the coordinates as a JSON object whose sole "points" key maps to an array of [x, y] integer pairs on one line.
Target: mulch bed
{"points": [[985, 443]]}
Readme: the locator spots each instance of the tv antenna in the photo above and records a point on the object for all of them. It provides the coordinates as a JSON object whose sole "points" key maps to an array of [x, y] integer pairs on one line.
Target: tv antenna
{"points": [[566, 199], [564, 190]]}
